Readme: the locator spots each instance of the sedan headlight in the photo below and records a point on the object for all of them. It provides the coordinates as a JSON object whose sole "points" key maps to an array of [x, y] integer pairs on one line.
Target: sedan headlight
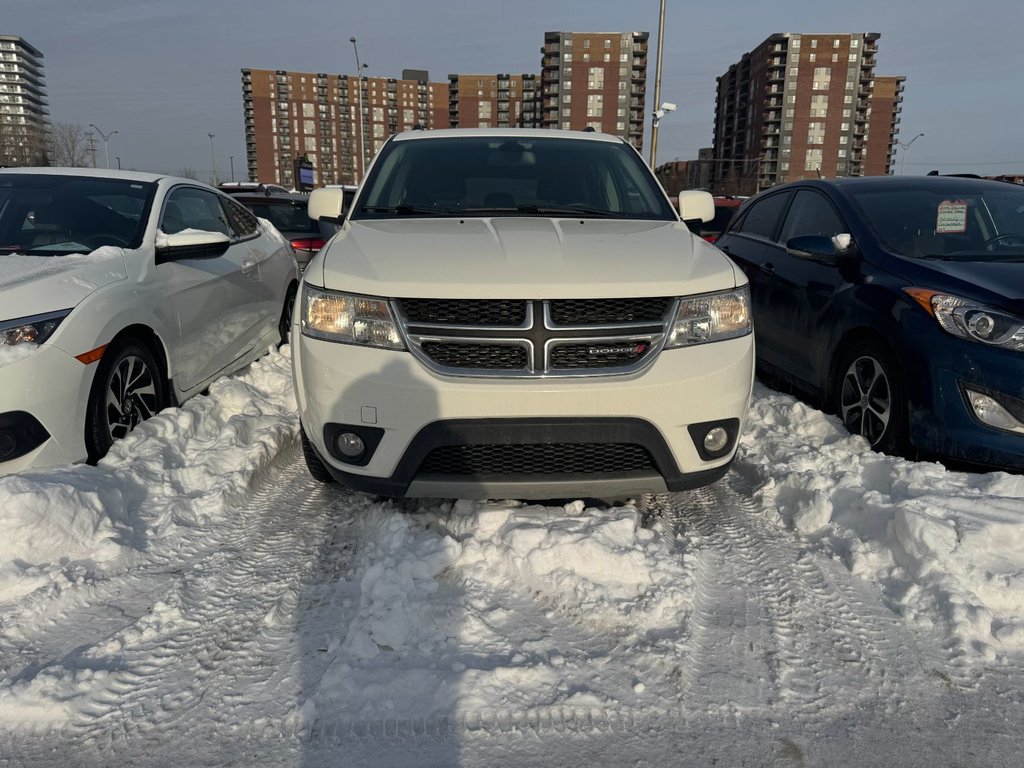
{"points": [[349, 319], [971, 320], [30, 330], [711, 317]]}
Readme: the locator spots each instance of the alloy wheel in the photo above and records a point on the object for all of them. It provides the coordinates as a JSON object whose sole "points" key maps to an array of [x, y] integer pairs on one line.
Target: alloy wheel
{"points": [[131, 396], [866, 399]]}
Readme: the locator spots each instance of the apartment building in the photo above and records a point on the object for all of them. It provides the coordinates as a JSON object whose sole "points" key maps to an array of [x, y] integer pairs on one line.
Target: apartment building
{"points": [[493, 101], [336, 123], [595, 80], [804, 106], [24, 110]]}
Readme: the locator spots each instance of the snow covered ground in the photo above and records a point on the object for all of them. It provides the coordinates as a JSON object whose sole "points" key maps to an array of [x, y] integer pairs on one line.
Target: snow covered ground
{"points": [[197, 599]]}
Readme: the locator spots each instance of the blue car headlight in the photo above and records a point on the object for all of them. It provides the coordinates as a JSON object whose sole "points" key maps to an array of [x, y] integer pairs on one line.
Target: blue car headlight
{"points": [[970, 320]]}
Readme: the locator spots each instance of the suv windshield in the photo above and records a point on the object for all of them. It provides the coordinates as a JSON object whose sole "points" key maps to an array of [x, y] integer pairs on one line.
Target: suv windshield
{"points": [[977, 222], [511, 176], [48, 215]]}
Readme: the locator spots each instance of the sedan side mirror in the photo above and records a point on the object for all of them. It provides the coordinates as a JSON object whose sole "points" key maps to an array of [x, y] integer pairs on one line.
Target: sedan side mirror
{"points": [[191, 245], [327, 204], [820, 248]]}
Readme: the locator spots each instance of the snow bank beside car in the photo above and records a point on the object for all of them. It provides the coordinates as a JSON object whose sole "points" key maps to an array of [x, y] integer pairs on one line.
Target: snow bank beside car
{"points": [[80, 522], [946, 547]]}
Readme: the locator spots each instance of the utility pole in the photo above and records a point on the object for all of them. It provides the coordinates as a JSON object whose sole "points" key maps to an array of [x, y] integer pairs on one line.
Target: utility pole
{"points": [[91, 150], [105, 137], [657, 84], [231, 159], [213, 160]]}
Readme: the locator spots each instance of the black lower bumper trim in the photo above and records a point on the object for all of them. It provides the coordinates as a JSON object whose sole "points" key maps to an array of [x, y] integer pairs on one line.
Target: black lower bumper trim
{"points": [[532, 432], [20, 433]]}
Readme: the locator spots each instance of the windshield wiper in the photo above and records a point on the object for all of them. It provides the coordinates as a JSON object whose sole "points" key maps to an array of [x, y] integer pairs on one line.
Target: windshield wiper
{"points": [[570, 210], [405, 210]]}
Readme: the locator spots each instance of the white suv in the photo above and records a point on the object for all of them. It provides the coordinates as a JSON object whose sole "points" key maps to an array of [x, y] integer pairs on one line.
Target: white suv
{"points": [[519, 313]]}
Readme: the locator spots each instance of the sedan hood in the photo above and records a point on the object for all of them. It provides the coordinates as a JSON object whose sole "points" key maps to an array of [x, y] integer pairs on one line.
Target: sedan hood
{"points": [[1000, 282], [34, 285], [522, 257]]}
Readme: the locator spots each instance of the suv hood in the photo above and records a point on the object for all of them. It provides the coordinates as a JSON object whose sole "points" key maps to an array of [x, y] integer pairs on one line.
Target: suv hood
{"points": [[33, 285], [522, 257]]}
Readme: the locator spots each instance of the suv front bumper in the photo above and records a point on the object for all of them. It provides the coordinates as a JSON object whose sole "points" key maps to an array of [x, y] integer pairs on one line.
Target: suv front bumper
{"points": [[412, 410]]}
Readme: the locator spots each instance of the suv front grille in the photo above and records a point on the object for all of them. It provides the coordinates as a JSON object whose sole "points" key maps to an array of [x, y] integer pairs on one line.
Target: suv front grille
{"points": [[537, 459], [563, 337], [482, 312], [608, 311]]}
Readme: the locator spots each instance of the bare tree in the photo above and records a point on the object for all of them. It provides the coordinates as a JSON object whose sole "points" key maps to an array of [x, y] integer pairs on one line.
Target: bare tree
{"points": [[188, 173], [68, 145]]}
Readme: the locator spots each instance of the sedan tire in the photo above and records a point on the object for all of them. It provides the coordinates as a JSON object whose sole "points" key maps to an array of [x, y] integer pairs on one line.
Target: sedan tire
{"points": [[127, 390], [869, 398]]}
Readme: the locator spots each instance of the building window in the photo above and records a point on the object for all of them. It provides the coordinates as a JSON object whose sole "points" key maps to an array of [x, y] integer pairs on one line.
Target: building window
{"points": [[607, 57], [855, 43], [814, 43], [853, 57], [816, 133], [595, 78], [620, 126], [819, 104], [483, 109], [567, 56], [814, 57], [791, 98], [789, 112], [835, 57], [595, 105], [812, 161], [565, 125], [793, 71], [566, 98], [835, 43]]}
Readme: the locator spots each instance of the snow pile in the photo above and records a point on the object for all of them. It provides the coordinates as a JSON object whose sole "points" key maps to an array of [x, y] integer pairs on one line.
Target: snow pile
{"points": [[947, 547], [8, 354], [475, 605], [73, 523]]}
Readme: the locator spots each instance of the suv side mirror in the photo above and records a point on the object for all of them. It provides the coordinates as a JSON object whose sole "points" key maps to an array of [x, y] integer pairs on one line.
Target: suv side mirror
{"points": [[819, 248], [327, 204], [696, 206]]}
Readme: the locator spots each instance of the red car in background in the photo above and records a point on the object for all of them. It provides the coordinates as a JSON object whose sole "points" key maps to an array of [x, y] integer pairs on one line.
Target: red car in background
{"points": [[725, 207]]}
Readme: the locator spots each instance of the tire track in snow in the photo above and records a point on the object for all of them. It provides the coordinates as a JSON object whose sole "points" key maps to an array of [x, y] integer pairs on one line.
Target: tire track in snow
{"points": [[218, 647], [818, 633]]}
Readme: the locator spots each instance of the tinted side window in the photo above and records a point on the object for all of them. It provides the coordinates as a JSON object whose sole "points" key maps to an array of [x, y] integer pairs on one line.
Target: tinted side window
{"points": [[242, 221], [191, 208], [763, 215], [811, 214]]}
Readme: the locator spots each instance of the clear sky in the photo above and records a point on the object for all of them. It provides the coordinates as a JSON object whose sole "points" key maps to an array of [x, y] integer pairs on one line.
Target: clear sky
{"points": [[165, 74]]}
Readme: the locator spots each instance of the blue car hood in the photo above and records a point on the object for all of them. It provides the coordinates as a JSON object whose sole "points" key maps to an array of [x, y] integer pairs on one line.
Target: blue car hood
{"points": [[995, 282]]}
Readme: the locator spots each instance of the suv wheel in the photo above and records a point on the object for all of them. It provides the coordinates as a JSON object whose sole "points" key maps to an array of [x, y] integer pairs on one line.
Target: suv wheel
{"points": [[313, 463]]}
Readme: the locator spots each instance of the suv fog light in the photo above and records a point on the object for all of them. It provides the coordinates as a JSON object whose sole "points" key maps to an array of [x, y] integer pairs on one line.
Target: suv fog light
{"points": [[715, 440], [990, 411], [350, 445]]}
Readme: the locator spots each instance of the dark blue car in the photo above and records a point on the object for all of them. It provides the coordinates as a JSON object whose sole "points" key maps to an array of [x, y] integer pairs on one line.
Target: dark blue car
{"points": [[897, 303]]}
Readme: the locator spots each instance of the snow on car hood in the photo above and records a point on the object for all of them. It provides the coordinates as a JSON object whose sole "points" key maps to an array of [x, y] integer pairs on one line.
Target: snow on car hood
{"points": [[522, 257], [33, 285]]}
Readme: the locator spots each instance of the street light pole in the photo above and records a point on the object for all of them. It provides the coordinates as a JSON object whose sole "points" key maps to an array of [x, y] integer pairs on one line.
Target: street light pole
{"points": [[657, 84], [105, 137], [360, 166], [906, 149], [118, 163], [231, 159], [213, 158]]}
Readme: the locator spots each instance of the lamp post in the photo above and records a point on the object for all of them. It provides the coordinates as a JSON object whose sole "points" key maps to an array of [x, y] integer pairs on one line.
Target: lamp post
{"points": [[213, 158], [105, 137], [231, 159], [359, 89], [906, 149], [118, 163], [657, 85]]}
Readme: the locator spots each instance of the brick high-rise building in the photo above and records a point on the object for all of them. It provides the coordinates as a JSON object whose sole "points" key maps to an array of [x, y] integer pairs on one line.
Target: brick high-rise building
{"points": [[493, 101], [24, 110], [803, 106], [593, 79], [293, 116]]}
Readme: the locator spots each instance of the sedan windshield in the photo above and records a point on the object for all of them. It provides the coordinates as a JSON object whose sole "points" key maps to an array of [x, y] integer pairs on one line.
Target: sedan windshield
{"points": [[511, 176], [970, 222], [52, 215]]}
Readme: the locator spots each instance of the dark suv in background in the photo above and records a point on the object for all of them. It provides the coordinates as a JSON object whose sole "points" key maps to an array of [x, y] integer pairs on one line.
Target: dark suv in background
{"points": [[288, 212]]}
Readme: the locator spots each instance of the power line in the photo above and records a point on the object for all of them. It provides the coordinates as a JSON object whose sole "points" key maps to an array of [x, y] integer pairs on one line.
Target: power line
{"points": [[998, 162]]}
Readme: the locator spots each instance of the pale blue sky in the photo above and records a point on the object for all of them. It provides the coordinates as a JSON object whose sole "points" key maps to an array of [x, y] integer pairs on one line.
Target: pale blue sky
{"points": [[166, 74]]}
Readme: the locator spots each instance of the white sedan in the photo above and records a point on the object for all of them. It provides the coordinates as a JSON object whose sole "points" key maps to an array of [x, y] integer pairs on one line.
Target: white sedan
{"points": [[122, 293]]}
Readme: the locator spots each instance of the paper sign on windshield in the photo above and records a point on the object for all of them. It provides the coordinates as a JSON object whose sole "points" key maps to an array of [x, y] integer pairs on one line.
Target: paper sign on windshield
{"points": [[952, 217]]}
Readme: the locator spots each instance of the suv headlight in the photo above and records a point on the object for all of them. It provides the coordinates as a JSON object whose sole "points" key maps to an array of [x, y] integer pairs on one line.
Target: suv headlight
{"points": [[30, 330], [711, 317], [349, 319], [971, 320]]}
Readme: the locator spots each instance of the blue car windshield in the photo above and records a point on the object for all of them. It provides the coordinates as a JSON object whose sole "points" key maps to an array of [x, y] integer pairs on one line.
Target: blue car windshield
{"points": [[974, 222], [516, 175], [53, 215]]}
